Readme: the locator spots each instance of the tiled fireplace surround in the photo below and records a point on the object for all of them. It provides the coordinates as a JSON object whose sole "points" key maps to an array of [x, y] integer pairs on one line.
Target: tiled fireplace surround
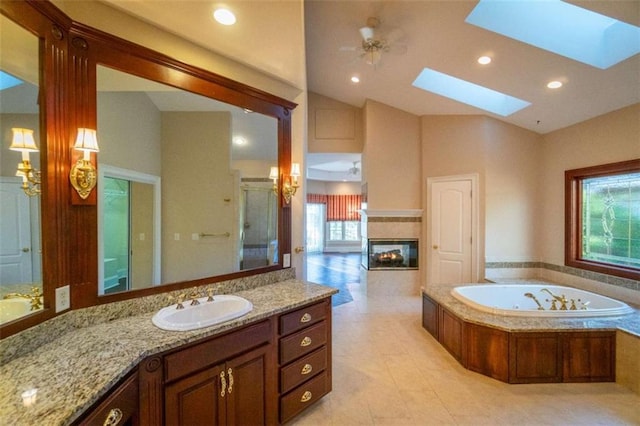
{"points": [[397, 224]]}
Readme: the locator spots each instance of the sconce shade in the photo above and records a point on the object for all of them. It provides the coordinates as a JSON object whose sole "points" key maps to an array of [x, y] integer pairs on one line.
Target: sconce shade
{"points": [[273, 174], [23, 140], [87, 140], [295, 170]]}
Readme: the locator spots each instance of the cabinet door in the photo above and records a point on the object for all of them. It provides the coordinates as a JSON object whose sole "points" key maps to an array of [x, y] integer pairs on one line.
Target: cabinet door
{"points": [[197, 399], [246, 391]]}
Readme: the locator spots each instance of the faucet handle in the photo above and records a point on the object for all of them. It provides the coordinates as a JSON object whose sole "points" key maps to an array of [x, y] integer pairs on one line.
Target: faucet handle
{"points": [[179, 299], [194, 297], [210, 294]]}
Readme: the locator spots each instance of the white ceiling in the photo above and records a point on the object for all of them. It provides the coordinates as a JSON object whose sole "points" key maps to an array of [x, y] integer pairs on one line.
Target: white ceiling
{"points": [[267, 37]]}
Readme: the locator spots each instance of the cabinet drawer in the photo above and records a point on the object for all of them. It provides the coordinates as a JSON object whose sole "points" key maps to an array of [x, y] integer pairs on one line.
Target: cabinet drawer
{"points": [[195, 358], [121, 404], [303, 396], [302, 318], [303, 369], [302, 342]]}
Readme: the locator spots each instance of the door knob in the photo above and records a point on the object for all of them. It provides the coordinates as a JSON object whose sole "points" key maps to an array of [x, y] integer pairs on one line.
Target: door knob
{"points": [[298, 249], [26, 249], [435, 247]]}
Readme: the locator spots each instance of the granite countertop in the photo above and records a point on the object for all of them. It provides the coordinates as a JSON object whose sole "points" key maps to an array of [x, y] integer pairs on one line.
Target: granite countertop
{"points": [[441, 293], [74, 370]]}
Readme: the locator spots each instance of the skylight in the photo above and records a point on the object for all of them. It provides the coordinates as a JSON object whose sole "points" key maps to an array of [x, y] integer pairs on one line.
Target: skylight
{"points": [[468, 93], [561, 28], [7, 80]]}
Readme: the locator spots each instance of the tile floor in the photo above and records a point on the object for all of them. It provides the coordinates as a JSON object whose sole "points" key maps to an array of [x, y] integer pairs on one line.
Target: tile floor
{"points": [[387, 370]]}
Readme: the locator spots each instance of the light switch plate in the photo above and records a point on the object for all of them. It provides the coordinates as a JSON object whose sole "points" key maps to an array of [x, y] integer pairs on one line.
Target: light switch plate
{"points": [[63, 298], [286, 260]]}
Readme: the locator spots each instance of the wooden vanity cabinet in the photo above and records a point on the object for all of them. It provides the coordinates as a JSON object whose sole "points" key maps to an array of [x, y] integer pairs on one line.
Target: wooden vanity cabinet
{"points": [[222, 381], [260, 374], [118, 407], [304, 358]]}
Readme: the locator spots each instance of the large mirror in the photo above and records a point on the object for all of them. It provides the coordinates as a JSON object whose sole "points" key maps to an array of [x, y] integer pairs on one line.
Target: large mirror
{"points": [[184, 189], [20, 230]]}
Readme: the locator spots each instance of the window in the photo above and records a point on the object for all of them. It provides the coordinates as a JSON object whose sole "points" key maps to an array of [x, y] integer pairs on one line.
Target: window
{"points": [[602, 214], [343, 231]]}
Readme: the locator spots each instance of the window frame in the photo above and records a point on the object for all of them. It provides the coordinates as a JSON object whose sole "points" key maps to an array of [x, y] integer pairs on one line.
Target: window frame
{"points": [[573, 218]]}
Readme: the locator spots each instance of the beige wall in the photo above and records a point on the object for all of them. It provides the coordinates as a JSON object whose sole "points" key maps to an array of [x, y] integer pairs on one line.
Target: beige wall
{"points": [[333, 126], [129, 132], [194, 188], [391, 157], [333, 188], [605, 139], [507, 160]]}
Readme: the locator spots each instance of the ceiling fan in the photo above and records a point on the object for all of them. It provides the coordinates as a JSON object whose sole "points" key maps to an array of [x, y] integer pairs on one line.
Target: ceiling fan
{"points": [[374, 43], [355, 170]]}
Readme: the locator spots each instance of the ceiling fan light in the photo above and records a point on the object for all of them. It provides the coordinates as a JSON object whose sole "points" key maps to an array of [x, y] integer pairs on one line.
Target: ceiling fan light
{"points": [[366, 33]]}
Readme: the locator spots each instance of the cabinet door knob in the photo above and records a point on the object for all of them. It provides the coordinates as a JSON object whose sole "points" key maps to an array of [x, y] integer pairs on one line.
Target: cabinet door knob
{"points": [[306, 341], [435, 247], [308, 368], [306, 317], [306, 397], [113, 418]]}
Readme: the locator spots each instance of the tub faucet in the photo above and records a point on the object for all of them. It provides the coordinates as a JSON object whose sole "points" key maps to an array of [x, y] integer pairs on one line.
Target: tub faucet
{"points": [[531, 296], [560, 299], [35, 297]]}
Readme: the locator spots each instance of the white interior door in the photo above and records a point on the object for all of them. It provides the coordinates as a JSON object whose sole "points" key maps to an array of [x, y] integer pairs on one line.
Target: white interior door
{"points": [[15, 233], [451, 213]]}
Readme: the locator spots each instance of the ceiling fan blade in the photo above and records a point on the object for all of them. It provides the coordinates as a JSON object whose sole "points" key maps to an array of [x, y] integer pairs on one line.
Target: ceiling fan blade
{"points": [[394, 35]]}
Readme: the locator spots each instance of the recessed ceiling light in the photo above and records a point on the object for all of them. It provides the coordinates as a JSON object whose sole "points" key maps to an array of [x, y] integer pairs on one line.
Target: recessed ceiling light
{"points": [[554, 84], [468, 93], [484, 60], [355, 79], [238, 140], [224, 16]]}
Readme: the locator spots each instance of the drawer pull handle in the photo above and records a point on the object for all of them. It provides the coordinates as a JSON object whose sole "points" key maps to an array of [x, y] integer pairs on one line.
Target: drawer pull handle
{"points": [[224, 384], [113, 418], [306, 341], [305, 318], [230, 374], [308, 368], [306, 397]]}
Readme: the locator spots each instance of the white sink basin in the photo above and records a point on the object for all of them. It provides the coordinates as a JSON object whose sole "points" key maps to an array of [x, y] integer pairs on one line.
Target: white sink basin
{"points": [[11, 309], [224, 307]]}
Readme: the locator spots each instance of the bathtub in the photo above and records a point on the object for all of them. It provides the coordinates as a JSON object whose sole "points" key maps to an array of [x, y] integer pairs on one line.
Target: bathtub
{"points": [[510, 299]]}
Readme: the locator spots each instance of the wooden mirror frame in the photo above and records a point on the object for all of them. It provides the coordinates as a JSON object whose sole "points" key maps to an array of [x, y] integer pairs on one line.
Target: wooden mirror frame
{"points": [[70, 53]]}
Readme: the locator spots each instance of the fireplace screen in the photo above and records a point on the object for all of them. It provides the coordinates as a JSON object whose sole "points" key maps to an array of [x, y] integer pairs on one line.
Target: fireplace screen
{"points": [[385, 253]]}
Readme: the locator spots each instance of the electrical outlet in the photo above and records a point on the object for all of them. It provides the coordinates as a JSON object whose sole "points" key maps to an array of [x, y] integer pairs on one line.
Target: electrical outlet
{"points": [[287, 260], [63, 298]]}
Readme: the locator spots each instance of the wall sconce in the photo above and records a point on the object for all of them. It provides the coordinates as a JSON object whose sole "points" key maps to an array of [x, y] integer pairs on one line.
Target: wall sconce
{"points": [[273, 175], [291, 183], [31, 178], [83, 173]]}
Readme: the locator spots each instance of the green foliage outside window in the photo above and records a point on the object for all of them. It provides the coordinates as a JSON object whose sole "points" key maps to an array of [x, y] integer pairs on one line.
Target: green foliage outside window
{"points": [[611, 219]]}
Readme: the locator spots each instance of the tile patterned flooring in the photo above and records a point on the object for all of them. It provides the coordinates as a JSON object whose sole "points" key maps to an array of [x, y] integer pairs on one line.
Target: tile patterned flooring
{"points": [[390, 371]]}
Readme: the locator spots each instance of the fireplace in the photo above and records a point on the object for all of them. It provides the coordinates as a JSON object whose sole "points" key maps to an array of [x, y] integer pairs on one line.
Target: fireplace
{"points": [[389, 253]]}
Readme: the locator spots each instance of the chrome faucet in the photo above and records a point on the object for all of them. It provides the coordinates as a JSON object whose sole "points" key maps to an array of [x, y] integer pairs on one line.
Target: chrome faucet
{"points": [[560, 299]]}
